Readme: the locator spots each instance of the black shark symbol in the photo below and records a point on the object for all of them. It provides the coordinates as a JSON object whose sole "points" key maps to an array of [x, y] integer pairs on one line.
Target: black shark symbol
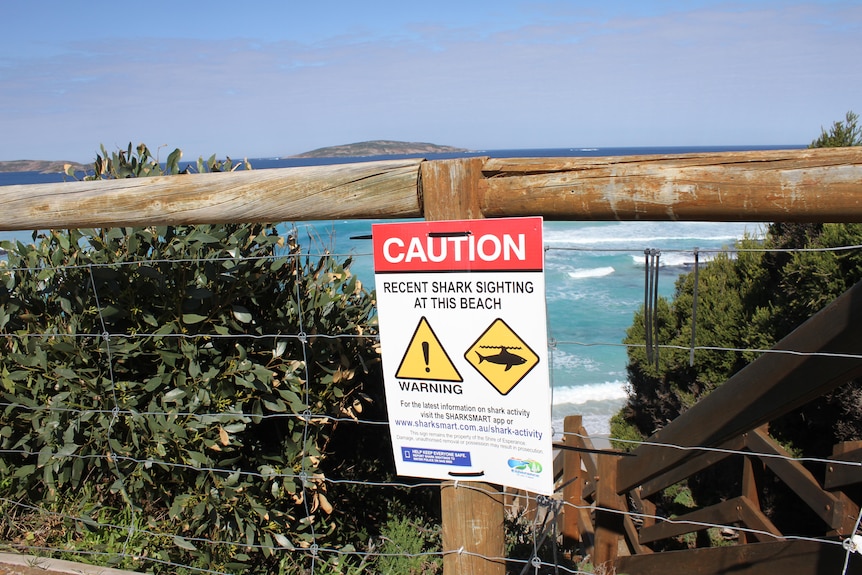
{"points": [[505, 357]]}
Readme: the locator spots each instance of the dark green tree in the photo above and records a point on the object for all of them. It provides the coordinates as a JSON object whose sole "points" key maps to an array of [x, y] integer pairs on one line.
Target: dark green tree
{"points": [[840, 134], [750, 302]]}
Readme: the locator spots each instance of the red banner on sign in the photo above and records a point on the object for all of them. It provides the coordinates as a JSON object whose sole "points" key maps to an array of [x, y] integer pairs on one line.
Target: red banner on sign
{"points": [[507, 244]]}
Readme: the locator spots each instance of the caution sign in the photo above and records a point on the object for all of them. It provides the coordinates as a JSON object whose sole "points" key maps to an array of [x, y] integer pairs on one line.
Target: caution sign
{"points": [[501, 356], [464, 349], [425, 357]]}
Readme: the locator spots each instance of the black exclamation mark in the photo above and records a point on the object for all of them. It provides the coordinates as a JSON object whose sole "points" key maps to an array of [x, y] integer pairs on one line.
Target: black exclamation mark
{"points": [[426, 352]]}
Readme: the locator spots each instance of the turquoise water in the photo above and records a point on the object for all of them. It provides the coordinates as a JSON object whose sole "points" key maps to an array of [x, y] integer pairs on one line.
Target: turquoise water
{"points": [[593, 294], [594, 275], [594, 282]]}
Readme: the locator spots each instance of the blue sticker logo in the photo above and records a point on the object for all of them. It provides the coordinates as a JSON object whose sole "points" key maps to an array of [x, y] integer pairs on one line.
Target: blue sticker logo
{"points": [[436, 456]]}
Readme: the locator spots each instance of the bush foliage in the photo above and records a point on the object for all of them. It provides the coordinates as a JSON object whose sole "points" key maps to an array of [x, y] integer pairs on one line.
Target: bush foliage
{"points": [[192, 374], [750, 302]]}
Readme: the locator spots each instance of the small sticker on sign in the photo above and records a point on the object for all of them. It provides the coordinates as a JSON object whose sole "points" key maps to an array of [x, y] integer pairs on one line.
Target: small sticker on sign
{"points": [[437, 456]]}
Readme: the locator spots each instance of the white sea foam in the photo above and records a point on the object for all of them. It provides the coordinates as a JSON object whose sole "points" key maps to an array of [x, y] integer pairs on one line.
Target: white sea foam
{"points": [[595, 403], [585, 273], [594, 424], [570, 361], [581, 394], [647, 234], [680, 259]]}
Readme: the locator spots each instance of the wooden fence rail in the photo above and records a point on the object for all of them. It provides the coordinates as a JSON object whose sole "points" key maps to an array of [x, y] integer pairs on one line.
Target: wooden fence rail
{"points": [[785, 185], [802, 185], [387, 189], [822, 185]]}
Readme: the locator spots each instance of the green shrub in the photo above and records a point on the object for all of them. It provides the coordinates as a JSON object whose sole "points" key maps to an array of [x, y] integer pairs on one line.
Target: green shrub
{"points": [[191, 374], [404, 546]]}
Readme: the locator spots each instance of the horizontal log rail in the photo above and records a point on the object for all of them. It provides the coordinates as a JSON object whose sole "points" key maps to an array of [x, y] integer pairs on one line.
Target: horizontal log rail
{"points": [[819, 185], [783, 185], [373, 190]]}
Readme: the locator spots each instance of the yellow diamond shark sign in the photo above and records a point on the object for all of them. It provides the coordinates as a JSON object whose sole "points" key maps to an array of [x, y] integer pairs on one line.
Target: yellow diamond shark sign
{"points": [[501, 356], [463, 338]]}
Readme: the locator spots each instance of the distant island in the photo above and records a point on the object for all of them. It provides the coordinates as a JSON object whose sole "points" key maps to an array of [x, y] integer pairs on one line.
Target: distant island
{"points": [[359, 149], [379, 148], [42, 166]]}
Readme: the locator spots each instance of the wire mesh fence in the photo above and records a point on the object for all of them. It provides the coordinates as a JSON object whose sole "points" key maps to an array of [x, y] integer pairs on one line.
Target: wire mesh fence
{"points": [[181, 400]]}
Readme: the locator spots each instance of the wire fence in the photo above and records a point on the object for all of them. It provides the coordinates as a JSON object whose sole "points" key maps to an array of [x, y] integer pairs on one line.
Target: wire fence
{"points": [[314, 553]]}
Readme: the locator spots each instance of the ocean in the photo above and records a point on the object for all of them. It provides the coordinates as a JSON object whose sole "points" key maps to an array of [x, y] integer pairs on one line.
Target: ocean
{"points": [[594, 276]]}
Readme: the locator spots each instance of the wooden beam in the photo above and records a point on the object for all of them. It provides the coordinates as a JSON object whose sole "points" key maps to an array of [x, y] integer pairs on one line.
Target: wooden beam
{"points": [[725, 513], [776, 558], [386, 189], [610, 528], [588, 531], [818, 185], [573, 490], [697, 463], [832, 509], [839, 474], [633, 537], [753, 470], [765, 389], [588, 460], [753, 518], [449, 189], [644, 506]]}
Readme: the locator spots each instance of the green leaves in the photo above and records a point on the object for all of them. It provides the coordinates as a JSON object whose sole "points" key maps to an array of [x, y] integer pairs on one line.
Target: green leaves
{"points": [[207, 373], [844, 133], [172, 166], [241, 314], [202, 386], [193, 318]]}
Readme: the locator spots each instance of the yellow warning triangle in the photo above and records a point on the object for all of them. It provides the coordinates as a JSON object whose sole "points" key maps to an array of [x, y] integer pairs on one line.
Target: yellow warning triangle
{"points": [[425, 357]]}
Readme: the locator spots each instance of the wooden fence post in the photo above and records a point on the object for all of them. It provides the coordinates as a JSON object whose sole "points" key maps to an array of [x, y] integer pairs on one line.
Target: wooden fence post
{"points": [[474, 539], [473, 530], [609, 524], [752, 480], [573, 491]]}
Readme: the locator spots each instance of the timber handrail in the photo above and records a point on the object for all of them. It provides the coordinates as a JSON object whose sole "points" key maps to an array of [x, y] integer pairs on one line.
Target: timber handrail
{"points": [[371, 190], [780, 185], [775, 185]]}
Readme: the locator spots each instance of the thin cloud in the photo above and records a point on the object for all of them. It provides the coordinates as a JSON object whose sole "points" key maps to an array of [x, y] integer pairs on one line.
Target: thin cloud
{"points": [[713, 74]]}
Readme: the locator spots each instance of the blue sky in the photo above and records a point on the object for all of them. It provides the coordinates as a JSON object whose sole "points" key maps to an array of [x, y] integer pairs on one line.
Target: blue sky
{"points": [[273, 78]]}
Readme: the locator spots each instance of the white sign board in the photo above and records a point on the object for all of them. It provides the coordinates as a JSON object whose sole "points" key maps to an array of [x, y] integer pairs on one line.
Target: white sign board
{"points": [[463, 333]]}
